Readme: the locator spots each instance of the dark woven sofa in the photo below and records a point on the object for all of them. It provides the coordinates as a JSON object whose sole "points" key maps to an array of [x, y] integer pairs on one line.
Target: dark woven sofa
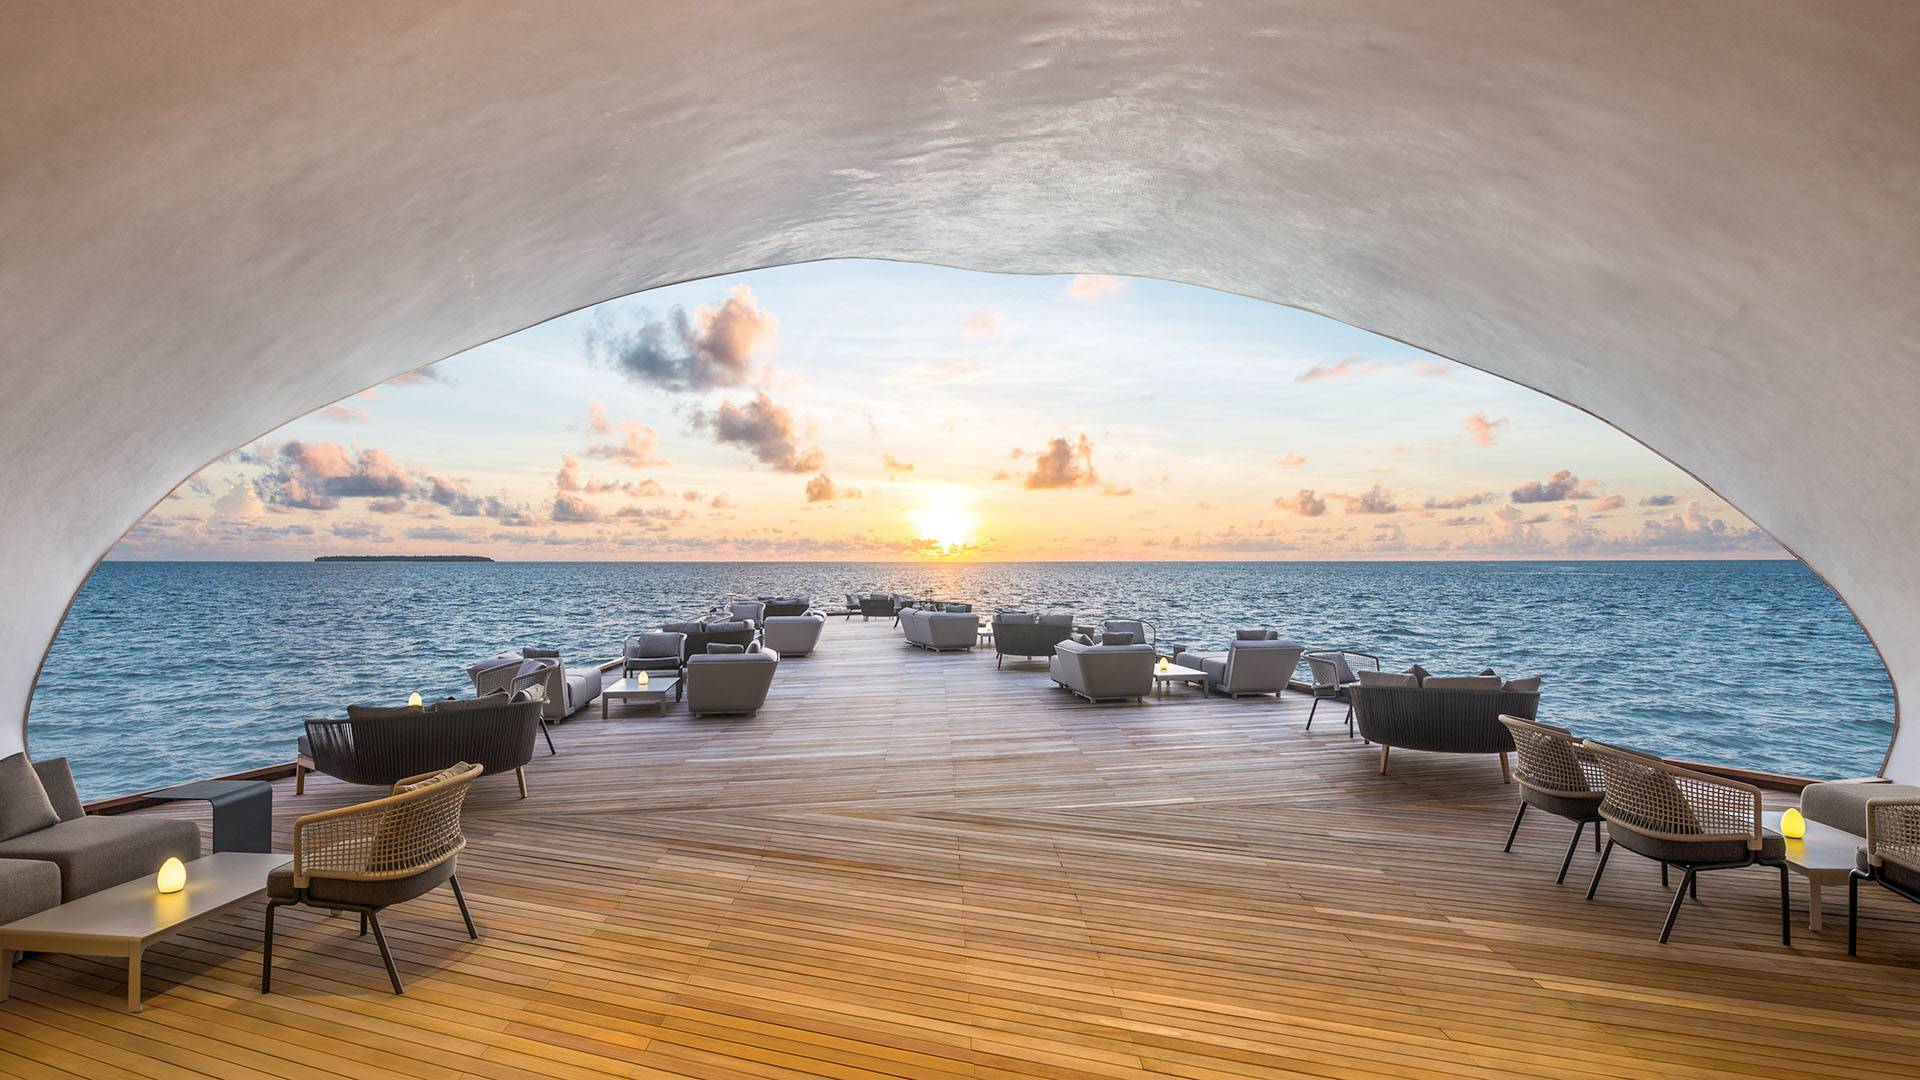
{"points": [[1024, 634], [704, 632], [382, 746], [1440, 720]]}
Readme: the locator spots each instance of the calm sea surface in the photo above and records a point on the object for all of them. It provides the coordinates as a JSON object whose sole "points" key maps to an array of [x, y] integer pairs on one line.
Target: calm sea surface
{"points": [[166, 672]]}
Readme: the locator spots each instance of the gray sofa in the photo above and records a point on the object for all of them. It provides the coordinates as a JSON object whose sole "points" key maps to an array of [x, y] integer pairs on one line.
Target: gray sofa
{"points": [[714, 630], [940, 631], [1104, 672], [729, 682], [54, 851], [792, 635], [568, 691], [1024, 634], [1253, 665]]}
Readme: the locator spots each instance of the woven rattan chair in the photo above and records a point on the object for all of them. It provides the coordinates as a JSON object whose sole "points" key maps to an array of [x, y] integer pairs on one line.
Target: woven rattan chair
{"points": [[1332, 671], [1559, 775], [1687, 819], [367, 857], [1891, 857]]}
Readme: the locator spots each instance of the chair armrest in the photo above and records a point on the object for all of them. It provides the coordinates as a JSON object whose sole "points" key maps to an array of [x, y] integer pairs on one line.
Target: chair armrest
{"points": [[1893, 830]]}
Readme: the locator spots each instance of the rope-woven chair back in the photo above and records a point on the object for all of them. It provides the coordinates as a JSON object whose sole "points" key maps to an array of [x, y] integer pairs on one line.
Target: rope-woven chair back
{"points": [[1550, 760], [1893, 831], [395, 837], [1652, 797], [1326, 675]]}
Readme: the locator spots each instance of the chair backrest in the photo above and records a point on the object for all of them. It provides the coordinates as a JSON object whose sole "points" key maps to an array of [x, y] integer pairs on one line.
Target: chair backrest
{"points": [[1893, 832], [729, 682], [748, 610], [409, 832], [1264, 666], [655, 645], [1029, 638], [1662, 800], [1551, 760], [1142, 630]]}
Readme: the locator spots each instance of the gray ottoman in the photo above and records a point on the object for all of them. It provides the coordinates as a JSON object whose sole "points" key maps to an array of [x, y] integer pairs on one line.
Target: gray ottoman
{"points": [[1844, 805]]}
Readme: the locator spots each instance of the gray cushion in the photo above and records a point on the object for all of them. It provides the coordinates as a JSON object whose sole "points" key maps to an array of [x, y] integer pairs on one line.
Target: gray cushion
{"points": [[96, 852], [1116, 639], [1772, 848], [1418, 672], [717, 648], [655, 646], [382, 712], [1014, 616], [1530, 685], [27, 887], [1342, 671], [1461, 682], [24, 806], [1252, 635], [540, 654], [1215, 667], [683, 626], [58, 780], [1054, 620], [1844, 806], [1489, 672], [369, 893], [453, 705], [1394, 679], [1080, 639]]}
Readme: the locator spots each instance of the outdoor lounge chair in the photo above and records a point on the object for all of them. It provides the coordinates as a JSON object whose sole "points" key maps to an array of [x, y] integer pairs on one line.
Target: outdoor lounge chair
{"points": [[940, 631], [783, 606], [1261, 664], [1143, 631], [876, 606], [368, 857], [752, 611], [1687, 819], [1891, 858], [730, 682], [1104, 672], [1557, 774], [657, 651], [793, 635], [1333, 673]]}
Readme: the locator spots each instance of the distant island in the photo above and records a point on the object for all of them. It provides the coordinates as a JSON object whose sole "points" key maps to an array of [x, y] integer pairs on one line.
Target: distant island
{"points": [[401, 558]]}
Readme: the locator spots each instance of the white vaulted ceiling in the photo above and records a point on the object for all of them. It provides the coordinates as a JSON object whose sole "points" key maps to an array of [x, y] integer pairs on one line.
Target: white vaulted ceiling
{"points": [[1698, 220]]}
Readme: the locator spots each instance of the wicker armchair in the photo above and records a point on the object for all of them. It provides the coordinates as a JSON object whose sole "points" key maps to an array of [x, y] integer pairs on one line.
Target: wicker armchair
{"points": [[1687, 819], [1332, 671], [371, 856], [1559, 775], [495, 733], [876, 606], [1891, 857]]}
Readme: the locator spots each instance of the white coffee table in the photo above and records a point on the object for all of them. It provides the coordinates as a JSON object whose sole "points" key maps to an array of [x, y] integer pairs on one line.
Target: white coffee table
{"points": [[124, 920], [1174, 673], [629, 689]]}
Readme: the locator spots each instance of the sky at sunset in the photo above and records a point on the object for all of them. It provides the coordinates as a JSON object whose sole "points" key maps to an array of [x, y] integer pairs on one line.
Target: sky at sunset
{"points": [[864, 410]]}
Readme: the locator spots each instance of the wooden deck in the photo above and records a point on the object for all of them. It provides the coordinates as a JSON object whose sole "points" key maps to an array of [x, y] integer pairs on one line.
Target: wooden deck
{"points": [[915, 865]]}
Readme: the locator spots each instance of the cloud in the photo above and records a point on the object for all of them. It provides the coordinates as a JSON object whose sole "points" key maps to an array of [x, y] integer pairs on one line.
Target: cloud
{"points": [[894, 466], [940, 373], [715, 346], [452, 493], [1434, 368], [317, 475], [1512, 516], [1063, 464], [1345, 368], [1559, 487], [597, 419], [1458, 502], [1611, 502], [1093, 288], [1458, 521], [240, 503], [574, 508], [635, 449], [421, 376], [1480, 429], [763, 428], [821, 489], [1291, 461], [721, 502], [1305, 503], [984, 324], [1375, 500], [437, 532], [356, 530], [342, 413], [1659, 500]]}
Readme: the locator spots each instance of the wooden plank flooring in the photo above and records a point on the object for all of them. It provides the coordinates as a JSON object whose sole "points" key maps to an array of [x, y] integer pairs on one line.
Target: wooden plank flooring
{"points": [[914, 865]]}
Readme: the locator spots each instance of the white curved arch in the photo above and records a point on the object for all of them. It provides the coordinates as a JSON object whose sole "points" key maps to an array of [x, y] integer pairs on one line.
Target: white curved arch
{"points": [[1696, 220]]}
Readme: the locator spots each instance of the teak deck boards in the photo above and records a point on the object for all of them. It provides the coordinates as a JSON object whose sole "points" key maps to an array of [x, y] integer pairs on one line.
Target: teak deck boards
{"points": [[914, 865]]}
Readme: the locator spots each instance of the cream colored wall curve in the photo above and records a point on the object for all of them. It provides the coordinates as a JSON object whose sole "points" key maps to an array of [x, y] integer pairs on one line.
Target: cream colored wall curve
{"points": [[1700, 221]]}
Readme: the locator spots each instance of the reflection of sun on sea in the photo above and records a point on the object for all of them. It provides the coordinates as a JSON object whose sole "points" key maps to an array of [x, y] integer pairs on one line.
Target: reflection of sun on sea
{"points": [[945, 524]]}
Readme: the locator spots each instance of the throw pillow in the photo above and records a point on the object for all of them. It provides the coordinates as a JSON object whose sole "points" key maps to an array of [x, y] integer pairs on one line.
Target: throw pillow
{"points": [[1080, 639], [1419, 673], [719, 647], [382, 712], [1529, 685], [58, 780], [1460, 682], [536, 692], [1398, 680], [1342, 671], [1250, 635], [1055, 620], [488, 701], [1116, 639], [24, 806], [540, 654], [1489, 671]]}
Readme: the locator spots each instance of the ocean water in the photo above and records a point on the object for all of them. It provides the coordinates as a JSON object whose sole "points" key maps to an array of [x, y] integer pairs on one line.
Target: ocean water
{"points": [[166, 672]]}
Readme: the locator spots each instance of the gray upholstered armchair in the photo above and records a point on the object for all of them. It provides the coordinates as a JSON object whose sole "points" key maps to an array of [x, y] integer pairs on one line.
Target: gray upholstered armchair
{"points": [[753, 611], [729, 682], [655, 651], [1143, 631], [793, 635], [1104, 672], [1257, 662]]}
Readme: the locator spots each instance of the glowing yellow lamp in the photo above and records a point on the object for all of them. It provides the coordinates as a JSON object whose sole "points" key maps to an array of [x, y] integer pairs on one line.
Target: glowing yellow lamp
{"points": [[641, 679], [1792, 824], [413, 699], [172, 877], [1165, 664]]}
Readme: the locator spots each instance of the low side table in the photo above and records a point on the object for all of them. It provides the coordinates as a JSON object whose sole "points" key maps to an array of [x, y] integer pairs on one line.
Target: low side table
{"points": [[629, 689], [1825, 856], [242, 811], [1175, 673]]}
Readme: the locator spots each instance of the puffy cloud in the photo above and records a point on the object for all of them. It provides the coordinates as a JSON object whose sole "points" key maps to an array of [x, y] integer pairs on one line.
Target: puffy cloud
{"points": [[1063, 464], [765, 429], [1513, 516], [1463, 520], [1434, 368], [1459, 502], [437, 532], [894, 466], [356, 530], [568, 507], [715, 346], [1305, 503], [421, 376], [721, 501], [342, 413], [452, 493], [1559, 487], [568, 478], [1480, 429], [984, 324], [1659, 500], [1374, 500], [1345, 368], [240, 503], [317, 475], [597, 419], [1291, 461], [1093, 288], [635, 448], [1611, 502], [821, 489], [387, 506]]}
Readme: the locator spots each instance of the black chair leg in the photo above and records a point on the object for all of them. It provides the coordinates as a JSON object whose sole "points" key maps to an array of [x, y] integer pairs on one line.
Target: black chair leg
{"points": [[386, 954], [1310, 712], [1679, 895], [1786, 909], [266, 951], [1515, 831], [1694, 888], [1594, 886], [1853, 913], [1664, 883], [1596, 836], [551, 752], [1572, 846], [461, 899], [363, 924]]}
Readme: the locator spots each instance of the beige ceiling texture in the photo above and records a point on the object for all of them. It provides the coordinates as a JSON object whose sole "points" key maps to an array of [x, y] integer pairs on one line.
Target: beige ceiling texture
{"points": [[1698, 220]]}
